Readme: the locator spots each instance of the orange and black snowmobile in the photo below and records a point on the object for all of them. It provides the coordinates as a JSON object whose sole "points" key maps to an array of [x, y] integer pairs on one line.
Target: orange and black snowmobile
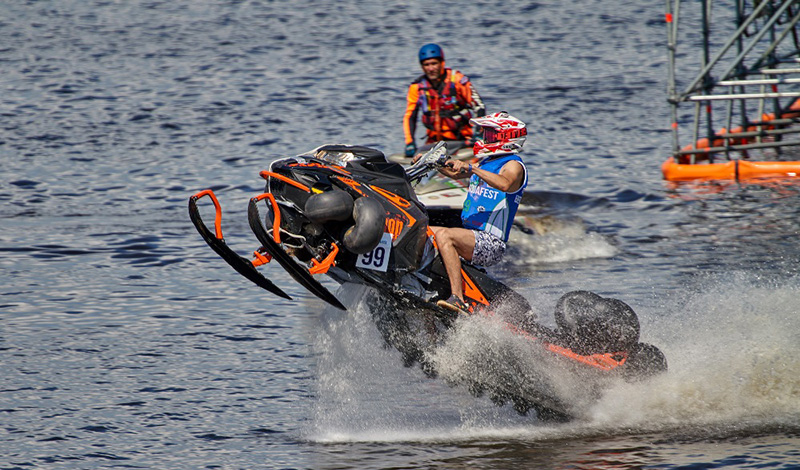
{"points": [[349, 213]]}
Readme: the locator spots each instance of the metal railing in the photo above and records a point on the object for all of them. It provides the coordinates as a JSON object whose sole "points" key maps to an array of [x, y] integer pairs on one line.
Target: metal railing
{"points": [[743, 94]]}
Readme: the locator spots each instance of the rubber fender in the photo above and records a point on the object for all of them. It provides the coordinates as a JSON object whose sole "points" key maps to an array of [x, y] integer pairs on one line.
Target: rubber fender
{"points": [[574, 306], [329, 205], [594, 324], [366, 233], [644, 361]]}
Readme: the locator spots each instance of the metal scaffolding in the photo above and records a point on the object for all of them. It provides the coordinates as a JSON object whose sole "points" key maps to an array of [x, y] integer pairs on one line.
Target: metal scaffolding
{"points": [[745, 95]]}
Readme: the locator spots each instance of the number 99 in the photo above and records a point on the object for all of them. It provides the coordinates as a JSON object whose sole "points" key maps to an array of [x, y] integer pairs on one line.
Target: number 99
{"points": [[379, 253]]}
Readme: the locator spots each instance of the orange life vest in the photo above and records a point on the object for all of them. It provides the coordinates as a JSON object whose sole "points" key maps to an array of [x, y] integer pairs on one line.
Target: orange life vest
{"points": [[445, 110]]}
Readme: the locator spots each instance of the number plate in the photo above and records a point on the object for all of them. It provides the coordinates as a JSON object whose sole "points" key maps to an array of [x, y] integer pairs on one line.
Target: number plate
{"points": [[377, 259]]}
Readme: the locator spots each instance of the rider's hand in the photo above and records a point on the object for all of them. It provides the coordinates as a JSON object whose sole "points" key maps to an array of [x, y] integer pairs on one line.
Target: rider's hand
{"points": [[457, 168], [411, 149]]}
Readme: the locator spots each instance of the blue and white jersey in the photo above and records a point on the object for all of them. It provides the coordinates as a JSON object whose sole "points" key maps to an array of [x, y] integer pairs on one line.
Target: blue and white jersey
{"points": [[490, 209]]}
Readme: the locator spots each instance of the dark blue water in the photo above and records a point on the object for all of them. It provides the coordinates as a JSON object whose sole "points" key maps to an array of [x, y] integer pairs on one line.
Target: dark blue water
{"points": [[126, 343]]}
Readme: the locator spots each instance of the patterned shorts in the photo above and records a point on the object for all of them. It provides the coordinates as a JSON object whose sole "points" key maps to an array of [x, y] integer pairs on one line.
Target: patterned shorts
{"points": [[488, 250]]}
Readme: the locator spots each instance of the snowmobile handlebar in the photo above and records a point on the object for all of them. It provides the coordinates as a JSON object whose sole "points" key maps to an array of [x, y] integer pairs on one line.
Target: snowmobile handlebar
{"points": [[433, 159]]}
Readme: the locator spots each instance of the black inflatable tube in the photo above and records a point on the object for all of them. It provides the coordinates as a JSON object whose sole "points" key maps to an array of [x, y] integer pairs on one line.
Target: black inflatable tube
{"points": [[366, 233]]}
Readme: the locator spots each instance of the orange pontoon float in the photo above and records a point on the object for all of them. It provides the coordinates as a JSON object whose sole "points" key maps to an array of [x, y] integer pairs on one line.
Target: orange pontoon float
{"points": [[730, 170], [766, 56], [692, 165]]}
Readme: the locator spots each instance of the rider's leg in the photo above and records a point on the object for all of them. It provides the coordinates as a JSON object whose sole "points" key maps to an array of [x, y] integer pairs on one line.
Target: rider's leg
{"points": [[454, 242]]}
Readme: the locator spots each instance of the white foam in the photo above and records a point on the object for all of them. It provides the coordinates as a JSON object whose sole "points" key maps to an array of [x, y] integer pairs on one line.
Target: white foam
{"points": [[732, 345], [733, 358], [554, 240]]}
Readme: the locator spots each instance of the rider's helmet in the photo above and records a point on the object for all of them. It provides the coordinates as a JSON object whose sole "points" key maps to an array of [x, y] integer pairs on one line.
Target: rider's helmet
{"points": [[431, 51], [502, 133]]}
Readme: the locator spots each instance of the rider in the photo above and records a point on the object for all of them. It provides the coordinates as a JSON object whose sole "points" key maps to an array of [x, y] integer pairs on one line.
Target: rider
{"points": [[446, 99], [496, 184]]}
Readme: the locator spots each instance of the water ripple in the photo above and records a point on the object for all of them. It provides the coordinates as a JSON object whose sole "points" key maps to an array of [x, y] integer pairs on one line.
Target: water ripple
{"points": [[127, 343]]}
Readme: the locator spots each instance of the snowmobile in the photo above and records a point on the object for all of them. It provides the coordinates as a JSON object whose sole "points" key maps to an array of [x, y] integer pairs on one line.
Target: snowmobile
{"points": [[351, 214]]}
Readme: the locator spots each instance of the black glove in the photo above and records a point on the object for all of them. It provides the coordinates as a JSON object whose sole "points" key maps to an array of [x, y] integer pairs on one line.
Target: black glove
{"points": [[411, 149]]}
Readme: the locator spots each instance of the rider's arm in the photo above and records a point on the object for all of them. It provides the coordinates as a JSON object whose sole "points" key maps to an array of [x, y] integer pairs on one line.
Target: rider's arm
{"points": [[475, 106], [508, 180], [410, 116], [477, 103], [467, 91]]}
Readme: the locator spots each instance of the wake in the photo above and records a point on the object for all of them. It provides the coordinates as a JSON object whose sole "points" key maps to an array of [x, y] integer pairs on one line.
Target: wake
{"points": [[732, 345]]}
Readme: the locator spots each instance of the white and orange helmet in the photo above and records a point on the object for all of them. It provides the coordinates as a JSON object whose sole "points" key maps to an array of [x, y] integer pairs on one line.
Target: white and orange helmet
{"points": [[502, 133]]}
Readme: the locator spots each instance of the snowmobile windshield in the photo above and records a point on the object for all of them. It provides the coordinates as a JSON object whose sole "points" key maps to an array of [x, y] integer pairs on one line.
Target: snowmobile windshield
{"points": [[339, 158], [340, 154]]}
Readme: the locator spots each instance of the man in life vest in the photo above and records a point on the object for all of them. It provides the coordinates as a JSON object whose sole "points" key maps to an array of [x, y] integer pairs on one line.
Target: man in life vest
{"points": [[496, 184], [446, 99]]}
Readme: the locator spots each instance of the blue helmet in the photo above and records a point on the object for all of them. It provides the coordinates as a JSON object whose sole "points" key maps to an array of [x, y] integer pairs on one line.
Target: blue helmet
{"points": [[430, 51]]}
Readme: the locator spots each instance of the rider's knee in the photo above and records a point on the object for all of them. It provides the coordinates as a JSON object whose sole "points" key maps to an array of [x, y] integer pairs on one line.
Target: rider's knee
{"points": [[445, 237]]}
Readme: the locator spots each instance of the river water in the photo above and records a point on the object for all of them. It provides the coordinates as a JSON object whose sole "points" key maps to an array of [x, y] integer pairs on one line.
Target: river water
{"points": [[127, 343]]}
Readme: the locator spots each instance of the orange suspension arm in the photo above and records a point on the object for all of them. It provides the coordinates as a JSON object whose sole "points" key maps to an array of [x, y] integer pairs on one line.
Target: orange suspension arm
{"points": [[276, 215], [322, 267], [268, 174]]}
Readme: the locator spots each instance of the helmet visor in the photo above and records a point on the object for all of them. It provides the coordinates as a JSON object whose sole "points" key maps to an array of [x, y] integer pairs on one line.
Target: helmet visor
{"points": [[492, 135]]}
